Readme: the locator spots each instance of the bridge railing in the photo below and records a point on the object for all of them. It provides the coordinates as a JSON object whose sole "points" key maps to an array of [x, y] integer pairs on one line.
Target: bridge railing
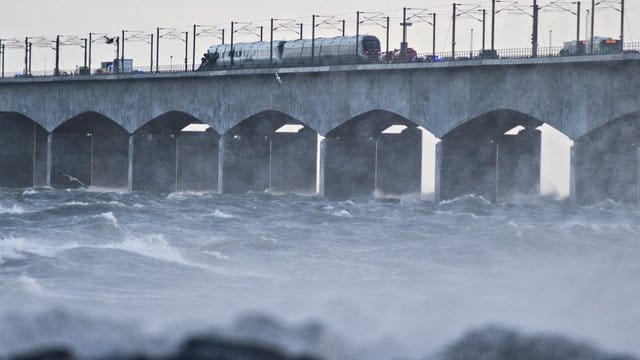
{"points": [[462, 55]]}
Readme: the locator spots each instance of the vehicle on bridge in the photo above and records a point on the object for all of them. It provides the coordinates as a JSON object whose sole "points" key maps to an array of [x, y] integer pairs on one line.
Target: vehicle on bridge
{"points": [[601, 46], [336, 50]]}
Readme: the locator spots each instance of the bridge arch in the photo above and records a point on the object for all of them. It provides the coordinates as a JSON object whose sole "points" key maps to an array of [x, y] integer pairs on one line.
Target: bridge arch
{"points": [[173, 152], [377, 151], [23, 159], [89, 149], [606, 162], [269, 150], [496, 154]]}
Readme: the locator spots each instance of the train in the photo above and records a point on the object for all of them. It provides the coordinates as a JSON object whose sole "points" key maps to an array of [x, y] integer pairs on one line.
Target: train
{"points": [[335, 50]]}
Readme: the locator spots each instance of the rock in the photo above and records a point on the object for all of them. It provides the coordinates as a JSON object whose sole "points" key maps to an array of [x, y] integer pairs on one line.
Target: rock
{"points": [[494, 343], [46, 354]]}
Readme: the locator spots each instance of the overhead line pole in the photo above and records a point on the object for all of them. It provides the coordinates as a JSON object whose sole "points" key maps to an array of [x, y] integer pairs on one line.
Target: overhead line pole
{"points": [[493, 24], [157, 49], [193, 56], [593, 13], [578, 24], [433, 45], [453, 33]]}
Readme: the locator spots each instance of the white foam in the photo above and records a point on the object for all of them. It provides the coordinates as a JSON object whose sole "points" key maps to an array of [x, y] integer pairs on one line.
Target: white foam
{"points": [[109, 217], [222, 215], [11, 249], [76, 203], [216, 254], [342, 213], [13, 210], [153, 246]]}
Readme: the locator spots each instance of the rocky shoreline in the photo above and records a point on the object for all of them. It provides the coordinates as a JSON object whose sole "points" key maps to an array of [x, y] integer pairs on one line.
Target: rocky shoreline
{"points": [[489, 343]]}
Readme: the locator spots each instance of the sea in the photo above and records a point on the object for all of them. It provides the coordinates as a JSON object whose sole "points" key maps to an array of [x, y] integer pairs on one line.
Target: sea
{"points": [[108, 272]]}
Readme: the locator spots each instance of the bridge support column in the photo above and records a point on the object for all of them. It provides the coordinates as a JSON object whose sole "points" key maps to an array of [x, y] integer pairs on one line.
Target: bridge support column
{"points": [[23, 152], [349, 167], [293, 161], [489, 168], [399, 162], [605, 169], [245, 163]]}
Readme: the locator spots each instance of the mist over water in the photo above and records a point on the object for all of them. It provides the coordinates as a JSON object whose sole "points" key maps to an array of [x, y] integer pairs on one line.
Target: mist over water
{"points": [[124, 272]]}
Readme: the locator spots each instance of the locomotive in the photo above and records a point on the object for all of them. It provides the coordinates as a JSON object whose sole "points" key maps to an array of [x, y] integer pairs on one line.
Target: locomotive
{"points": [[336, 50]]}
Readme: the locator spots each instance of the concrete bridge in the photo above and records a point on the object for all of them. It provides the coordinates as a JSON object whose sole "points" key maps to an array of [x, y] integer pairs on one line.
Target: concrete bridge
{"points": [[127, 130]]}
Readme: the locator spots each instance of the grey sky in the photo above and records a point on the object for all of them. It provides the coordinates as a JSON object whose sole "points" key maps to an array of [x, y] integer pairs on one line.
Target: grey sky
{"points": [[78, 17]]}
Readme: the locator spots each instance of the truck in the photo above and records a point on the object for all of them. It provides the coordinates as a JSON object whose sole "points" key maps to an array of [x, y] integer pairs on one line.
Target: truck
{"points": [[601, 45]]}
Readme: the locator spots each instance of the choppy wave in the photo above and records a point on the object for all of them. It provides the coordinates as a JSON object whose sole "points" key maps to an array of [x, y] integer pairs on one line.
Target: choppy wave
{"points": [[375, 279]]}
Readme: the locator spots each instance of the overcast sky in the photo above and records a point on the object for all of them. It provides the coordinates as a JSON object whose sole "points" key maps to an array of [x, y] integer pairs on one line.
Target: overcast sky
{"points": [[20, 18]]}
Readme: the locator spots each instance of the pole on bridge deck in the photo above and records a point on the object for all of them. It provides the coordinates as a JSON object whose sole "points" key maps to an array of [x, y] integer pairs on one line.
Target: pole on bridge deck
{"points": [[621, 24], [56, 69], [26, 56], [261, 33], [388, 32], [433, 41], [271, 45], [2, 58], [493, 24], [121, 65], [578, 24], [193, 55], [3, 51], [157, 49], [301, 30], [118, 53], [90, 45], [151, 56], [30, 56], [357, 31], [313, 39], [484, 27], [534, 34], [232, 52], [186, 51], [404, 45], [222, 36], [593, 13], [85, 53], [344, 28], [453, 33]]}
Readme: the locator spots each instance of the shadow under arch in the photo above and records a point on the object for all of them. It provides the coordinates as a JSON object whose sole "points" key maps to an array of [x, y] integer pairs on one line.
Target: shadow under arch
{"points": [[173, 152], [89, 149], [271, 151], [23, 158], [606, 162], [494, 155], [376, 152]]}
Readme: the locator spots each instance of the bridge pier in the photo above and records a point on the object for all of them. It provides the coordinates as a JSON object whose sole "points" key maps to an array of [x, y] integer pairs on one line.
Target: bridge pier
{"points": [[604, 169], [23, 153], [491, 168]]}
